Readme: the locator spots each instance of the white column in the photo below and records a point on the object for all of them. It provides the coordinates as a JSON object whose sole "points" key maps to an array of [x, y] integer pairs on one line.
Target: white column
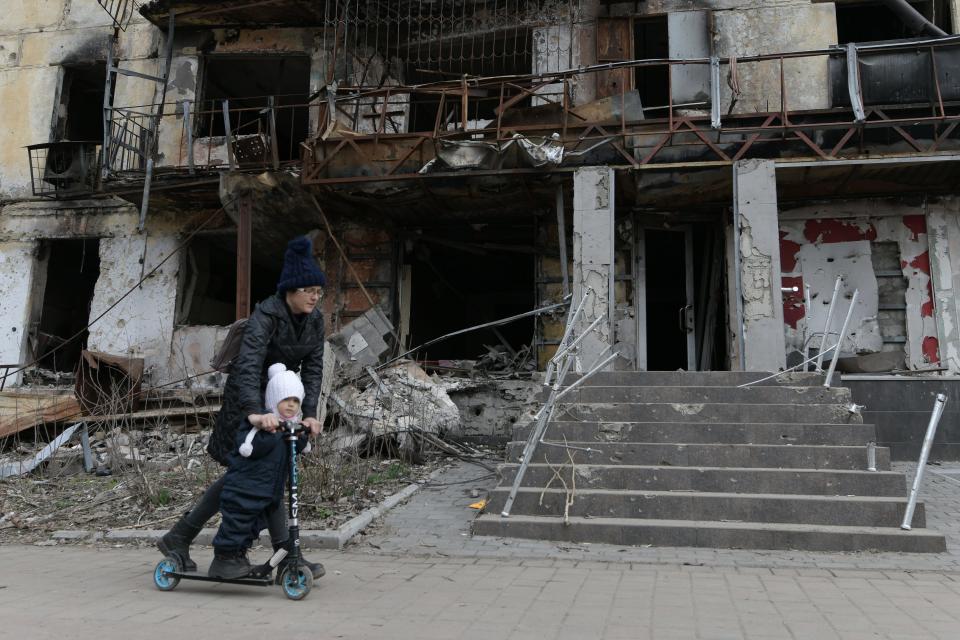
{"points": [[593, 260], [758, 300], [943, 235], [16, 277]]}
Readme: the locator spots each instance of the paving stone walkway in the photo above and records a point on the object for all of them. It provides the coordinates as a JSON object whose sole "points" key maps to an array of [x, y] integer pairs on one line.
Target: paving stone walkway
{"points": [[436, 522]]}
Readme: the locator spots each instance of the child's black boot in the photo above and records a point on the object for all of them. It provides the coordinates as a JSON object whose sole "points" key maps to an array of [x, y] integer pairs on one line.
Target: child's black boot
{"points": [[230, 564]]}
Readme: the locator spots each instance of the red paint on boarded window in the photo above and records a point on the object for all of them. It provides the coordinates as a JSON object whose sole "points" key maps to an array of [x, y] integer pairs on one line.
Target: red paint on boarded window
{"points": [[830, 230], [916, 224], [931, 349], [788, 253], [922, 262], [793, 306]]}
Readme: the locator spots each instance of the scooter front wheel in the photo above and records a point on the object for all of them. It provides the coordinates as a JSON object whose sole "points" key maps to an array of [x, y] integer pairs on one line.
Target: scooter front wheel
{"points": [[296, 582], [162, 574]]}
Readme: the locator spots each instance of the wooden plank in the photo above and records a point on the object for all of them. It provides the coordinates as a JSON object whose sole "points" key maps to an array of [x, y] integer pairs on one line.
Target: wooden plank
{"points": [[171, 412], [23, 410]]}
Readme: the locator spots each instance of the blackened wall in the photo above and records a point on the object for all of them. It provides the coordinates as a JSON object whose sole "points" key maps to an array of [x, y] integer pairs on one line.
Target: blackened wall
{"points": [[901, 407]]}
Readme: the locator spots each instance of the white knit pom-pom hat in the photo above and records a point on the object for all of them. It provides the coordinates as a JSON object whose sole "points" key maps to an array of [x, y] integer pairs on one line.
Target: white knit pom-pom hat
{"points": [[282, 384]]}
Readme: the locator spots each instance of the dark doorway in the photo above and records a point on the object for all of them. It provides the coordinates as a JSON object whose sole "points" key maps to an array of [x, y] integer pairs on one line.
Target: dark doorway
{"points": [[872, 21], [209, 280], [467, 276], [247, 82], [666, 297], [650, 41], [80, 116], [73, 267]]}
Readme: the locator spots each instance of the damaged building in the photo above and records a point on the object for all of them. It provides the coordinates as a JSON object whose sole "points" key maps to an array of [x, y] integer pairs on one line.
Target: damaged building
{"points": [[707, 169]]}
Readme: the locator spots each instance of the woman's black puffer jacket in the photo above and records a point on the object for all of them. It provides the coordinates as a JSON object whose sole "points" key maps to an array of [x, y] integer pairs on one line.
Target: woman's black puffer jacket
{"points": [[271, 335]]}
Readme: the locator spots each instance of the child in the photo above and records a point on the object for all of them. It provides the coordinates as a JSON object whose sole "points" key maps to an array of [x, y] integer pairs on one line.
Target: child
{"points": [[256, 477]]}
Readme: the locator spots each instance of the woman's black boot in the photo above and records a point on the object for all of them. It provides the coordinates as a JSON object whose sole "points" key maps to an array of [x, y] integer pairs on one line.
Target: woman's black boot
{"points": [[176, 542]]}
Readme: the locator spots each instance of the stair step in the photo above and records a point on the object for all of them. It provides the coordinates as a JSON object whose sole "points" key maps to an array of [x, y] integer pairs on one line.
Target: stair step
{"points": [[696, 379], [722, 395], [706, 432], [716, 479], [699, 412], [698, 533], [857, 511], [708, 455]]}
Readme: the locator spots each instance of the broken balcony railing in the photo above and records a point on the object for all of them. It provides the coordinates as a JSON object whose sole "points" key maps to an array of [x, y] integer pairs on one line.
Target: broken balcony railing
{"points": [[249, 133], [559, 366], [346, 133]]}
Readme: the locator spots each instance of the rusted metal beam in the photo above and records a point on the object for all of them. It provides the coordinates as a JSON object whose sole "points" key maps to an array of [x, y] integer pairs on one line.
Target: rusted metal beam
{"points": [[244, 255]]}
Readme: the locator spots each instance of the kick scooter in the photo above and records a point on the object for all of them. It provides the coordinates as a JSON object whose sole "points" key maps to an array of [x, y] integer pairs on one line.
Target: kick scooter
{"points": [[295, 579]]}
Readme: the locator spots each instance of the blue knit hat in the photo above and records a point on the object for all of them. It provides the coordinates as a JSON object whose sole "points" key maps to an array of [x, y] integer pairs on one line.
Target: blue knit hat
{"points": [[299, 267]]}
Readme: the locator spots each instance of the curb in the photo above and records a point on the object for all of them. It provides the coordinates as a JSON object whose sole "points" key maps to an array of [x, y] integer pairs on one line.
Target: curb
{"points": [[309, 538]]}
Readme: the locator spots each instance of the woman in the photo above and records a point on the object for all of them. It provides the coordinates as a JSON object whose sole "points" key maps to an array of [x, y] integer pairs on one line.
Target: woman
{"points": [[288, 328]]}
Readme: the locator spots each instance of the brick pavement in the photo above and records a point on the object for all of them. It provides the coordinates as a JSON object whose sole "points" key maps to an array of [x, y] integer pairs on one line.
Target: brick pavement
{"points": [[71, 591], [436, 522]]}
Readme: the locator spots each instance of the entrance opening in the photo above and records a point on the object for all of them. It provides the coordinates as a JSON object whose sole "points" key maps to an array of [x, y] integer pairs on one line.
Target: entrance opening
{"points": [[209, 280], [247, 82], [73, 267], [666, 296], [650, 41], [465, 277], [80, 114], [873, 21]]}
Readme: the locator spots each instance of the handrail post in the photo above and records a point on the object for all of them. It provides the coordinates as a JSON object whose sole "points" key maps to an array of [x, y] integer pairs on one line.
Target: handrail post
{"points": [[826, 328], [938, 406], [843, 335]]}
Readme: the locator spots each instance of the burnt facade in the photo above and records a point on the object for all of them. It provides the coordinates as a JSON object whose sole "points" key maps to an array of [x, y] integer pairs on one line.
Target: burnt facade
{"points": [[705, 170]]}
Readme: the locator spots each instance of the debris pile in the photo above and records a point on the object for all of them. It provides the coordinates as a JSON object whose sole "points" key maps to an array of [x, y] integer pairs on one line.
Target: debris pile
{"points": [[402, 407]]}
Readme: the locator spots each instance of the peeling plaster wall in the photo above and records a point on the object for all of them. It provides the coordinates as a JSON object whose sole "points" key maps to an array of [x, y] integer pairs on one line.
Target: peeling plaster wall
{"points": [[560, 47], [812, 236], [192, 348], [16, 275], [593, 254], [142, 323], [752, 27], [755, 209], [943, 221]]}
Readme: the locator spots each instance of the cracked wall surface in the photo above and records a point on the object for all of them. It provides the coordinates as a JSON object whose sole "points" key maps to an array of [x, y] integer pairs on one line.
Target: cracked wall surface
{"points": [[761, 317], [593, 255], [944, 264]]}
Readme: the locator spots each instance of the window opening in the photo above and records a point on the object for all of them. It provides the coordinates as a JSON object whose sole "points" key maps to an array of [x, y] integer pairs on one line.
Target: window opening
{"points": [[80, 115], [209, 286], [248, 82], [650, 41]]}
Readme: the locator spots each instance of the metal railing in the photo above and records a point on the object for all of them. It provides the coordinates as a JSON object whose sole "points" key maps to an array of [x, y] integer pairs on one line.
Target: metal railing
{"points": [[557, 370]]}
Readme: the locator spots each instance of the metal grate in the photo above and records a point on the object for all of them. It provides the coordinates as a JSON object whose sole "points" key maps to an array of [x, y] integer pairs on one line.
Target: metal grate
{"points": [[64, 169], [120, 11], [445, 37]]}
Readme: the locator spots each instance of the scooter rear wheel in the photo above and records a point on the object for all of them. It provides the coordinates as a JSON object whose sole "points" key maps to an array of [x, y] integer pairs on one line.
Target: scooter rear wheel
{"points": [[296, 582], [162, 577]]}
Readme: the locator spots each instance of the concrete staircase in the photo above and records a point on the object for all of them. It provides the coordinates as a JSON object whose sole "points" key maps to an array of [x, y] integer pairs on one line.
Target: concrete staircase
{"points": [[689, 459]]}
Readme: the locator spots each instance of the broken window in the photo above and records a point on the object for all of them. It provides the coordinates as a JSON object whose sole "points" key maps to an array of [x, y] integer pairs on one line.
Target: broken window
{"points": [[67, 271], [872, 21], [80, 111], [650, 42], [481, 109], [891, 294], [464, 276], [208, 286], [249, 83]]}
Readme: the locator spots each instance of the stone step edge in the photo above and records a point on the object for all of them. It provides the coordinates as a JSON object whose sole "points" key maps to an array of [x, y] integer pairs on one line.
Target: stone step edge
{"points": [[660, 467], [712, 524], [799, 497]]}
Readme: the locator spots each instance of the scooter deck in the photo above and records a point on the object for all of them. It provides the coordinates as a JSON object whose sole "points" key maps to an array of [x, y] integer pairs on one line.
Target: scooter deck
{"points": [[256, 582]]}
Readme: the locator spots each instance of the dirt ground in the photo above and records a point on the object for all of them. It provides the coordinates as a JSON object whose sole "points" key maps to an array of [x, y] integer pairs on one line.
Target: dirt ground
{"points": [[145, 487]]}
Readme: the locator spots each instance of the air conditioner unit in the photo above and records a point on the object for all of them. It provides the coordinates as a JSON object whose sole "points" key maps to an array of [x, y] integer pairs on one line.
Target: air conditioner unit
{"points": [[71, 165]]}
